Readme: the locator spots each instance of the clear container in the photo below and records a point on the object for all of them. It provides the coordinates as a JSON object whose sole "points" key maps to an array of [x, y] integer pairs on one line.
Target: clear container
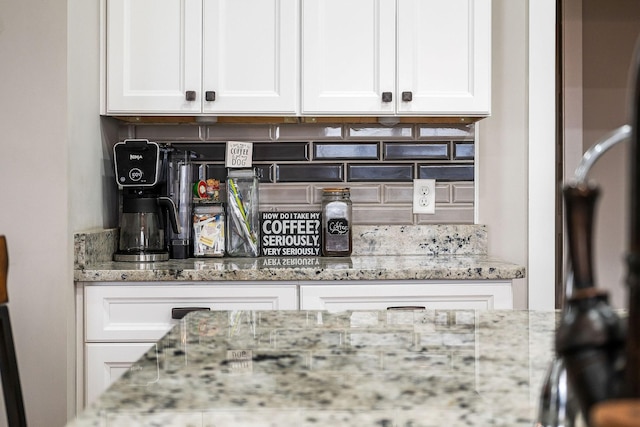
{"points": [[209, 230], [243, 217], [336, 222]]}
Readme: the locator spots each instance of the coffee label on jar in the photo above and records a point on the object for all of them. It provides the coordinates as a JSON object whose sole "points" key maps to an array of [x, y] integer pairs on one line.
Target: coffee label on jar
{"points": [[338, 226]]}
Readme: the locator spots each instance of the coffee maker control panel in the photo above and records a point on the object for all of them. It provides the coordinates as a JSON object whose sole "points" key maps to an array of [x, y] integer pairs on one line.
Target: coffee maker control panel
{"points": [[136, 163]]}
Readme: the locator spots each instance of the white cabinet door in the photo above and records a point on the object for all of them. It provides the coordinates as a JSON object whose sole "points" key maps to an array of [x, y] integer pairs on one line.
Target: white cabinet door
{"points": [[251, 56], [424, 57], [348, 56], [153, 54], [444, 56], [106, 362], [202, 56], [380, 295]]}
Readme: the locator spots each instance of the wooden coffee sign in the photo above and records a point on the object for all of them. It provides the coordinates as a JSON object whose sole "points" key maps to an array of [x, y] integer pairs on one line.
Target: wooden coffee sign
{"points": [[290, 234]]}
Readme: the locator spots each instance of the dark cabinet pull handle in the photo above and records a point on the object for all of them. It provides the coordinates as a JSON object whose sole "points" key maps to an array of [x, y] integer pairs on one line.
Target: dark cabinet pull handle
{"points": [[407, 96], [179, 312], [387, 96], [190, 95], [210, 95], [407, 307]]}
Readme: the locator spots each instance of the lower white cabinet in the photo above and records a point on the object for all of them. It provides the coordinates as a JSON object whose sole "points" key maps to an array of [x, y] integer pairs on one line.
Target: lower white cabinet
{"points": [[382, 295], [118, 322], [122, 321]]}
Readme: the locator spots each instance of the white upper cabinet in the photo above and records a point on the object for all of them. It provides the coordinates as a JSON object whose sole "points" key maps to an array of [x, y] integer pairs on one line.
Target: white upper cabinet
{"points": [[202, 56], [348, 56], [250, 57], [298, 57], [403, 57], [154, 50], [444, 57]]}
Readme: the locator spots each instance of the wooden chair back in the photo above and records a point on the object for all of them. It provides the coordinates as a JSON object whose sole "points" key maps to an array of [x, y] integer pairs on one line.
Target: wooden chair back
{"points": [[11, 388]]}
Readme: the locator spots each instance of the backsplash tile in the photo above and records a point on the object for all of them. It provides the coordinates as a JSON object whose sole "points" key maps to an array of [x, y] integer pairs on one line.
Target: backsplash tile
{"points": [[176, 132], [214, 152], [310, 173], [364, 151], [400, 193], [446, 172], [308, 131], [465, 132], [366, 194], [463, 193], [464, 151], [232, 132], [374, 131], [294, 193], [296, 160], [289, 151], [380, 172], [418, 151]]}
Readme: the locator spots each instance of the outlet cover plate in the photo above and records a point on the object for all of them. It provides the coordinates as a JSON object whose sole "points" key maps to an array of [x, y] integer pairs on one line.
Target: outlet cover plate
{"points": [[424, 196]]}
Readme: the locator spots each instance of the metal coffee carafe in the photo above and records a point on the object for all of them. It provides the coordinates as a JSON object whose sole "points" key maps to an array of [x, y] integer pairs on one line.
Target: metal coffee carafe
{"points": [[142, 231]]}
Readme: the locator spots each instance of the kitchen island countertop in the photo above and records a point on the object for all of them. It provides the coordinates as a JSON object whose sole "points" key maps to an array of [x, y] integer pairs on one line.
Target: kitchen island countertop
{"points": [[422, 368]]}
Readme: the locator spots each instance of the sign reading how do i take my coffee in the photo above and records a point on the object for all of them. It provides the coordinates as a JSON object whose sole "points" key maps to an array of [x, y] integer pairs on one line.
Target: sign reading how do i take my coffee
{"points": [[290, 234]]}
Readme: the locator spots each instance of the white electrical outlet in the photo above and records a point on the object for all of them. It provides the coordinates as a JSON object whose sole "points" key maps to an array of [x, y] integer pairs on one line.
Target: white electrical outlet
{"points": [[424, 196]]}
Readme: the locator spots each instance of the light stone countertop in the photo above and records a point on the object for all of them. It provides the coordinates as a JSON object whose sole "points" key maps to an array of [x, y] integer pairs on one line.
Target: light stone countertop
{"points": [[384, 267], [422, 368], [434, 252]]}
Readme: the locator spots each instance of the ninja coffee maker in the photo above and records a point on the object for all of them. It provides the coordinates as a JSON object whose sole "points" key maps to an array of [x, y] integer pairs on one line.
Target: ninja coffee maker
{"points": [[138, 168]]}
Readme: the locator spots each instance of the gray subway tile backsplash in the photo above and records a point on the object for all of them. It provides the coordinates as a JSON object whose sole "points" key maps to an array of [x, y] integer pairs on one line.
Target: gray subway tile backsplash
{"points": [[379, 131], [366, 194], [233, 132], [416, 151], [286, 132], [174, 132], [296, 160], [379, 172], [310, 173], [458, 132], [285, 151], [446, 172], [463, 151], [363, 151], [206, 152]]}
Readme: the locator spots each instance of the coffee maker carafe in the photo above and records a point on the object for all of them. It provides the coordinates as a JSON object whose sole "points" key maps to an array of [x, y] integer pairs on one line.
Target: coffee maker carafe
{"points": [[138, 173]]}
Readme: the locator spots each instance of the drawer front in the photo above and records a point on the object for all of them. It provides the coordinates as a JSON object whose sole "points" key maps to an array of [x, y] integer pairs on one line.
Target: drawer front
{"points": [[106, 362], [117, 313], [384, 295]]}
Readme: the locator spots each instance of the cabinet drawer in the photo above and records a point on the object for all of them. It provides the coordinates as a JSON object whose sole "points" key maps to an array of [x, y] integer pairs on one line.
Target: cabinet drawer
{"points": [[144, 313], [106, 362], [381, 295]]}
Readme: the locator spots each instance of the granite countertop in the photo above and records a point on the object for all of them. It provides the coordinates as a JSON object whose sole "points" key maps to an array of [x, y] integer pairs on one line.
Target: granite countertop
{"points": [[367, 368], [434, 252]]}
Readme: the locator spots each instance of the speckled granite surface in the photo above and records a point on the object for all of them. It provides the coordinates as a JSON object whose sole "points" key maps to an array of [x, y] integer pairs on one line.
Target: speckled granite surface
{"points": [[392, 267], [94, 246], [393, 368], [451, 252]]}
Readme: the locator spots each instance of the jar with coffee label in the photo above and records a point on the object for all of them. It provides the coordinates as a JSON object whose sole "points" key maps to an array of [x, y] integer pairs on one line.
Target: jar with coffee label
{"points": [[336, 222]]}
